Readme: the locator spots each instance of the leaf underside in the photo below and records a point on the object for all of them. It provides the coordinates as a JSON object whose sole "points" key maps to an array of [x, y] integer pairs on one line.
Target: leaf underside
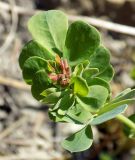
{"points": [[79, 141]]}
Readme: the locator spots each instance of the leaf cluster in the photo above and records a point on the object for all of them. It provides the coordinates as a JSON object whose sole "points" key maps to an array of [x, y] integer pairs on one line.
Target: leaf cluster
{"points": [[69, 69]]}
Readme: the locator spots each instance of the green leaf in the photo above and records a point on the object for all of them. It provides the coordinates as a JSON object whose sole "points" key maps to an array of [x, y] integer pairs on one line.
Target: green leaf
{"points": [[79, 115], [110, 106], [132, 73], [80, 86], [48, 91], [128, 131], [89, 72], [56, 106], [90, 104], [49, 29], [79, 141], [65, 103], [85, 63], [105, 156], [107, 74], [96, 98], [98, 81], [52, 115], [78, 69], [108, 115], [82, 40], [128, 94], [31, 49], [125, 97], [53, 97], [123, 93], [100, 93], [100, 59], [60, 118], [31, 66], [40, 83]]}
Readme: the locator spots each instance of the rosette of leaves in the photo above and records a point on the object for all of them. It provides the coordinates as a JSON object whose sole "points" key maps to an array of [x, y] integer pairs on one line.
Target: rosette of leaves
{"points": [[69, 69]]}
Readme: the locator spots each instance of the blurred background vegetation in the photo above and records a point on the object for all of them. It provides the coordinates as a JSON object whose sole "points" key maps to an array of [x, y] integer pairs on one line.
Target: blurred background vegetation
{"points": [[26, 132]]}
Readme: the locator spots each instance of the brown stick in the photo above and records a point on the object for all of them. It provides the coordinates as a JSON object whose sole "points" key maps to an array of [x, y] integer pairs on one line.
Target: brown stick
{"points": [[11, 35], [94, 21], [35, 156], [105, 24], [12, 127], [13, 83]]}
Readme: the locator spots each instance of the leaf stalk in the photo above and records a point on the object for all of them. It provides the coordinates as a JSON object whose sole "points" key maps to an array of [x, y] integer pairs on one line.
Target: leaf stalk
{"points": [[126, 121]]}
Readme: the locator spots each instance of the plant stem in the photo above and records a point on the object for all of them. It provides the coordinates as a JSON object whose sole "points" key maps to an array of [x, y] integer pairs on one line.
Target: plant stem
{"points": [[126, 121]]}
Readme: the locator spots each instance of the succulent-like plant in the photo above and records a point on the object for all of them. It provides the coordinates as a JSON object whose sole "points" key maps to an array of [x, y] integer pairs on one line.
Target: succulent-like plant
{"points": [[69, 69]]}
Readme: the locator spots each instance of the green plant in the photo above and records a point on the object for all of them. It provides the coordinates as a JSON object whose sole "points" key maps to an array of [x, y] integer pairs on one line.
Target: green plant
{"points": [[69, 69], [132, 73]]}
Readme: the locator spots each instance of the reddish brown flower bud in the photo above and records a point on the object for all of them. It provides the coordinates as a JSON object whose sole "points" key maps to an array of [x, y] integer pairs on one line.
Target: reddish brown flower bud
{"points": [[53, 76]]}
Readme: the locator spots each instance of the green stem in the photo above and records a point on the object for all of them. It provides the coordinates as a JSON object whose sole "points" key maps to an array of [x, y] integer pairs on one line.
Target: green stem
{"points": [[126, 121]]}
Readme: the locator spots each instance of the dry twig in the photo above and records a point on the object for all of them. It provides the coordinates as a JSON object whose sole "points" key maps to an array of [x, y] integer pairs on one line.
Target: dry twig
{"points": [[94, 21], [18, 142], [13, 83], [105, 24], [29, 157], [12, 32], [38, 122], [12, 127]]}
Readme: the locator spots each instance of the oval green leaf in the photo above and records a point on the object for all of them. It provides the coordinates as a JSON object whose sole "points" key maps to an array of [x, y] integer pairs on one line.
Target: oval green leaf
{"points": [[65, 103], [31, 66], [79, 141], [48, 91], [77, 70], [128, 94], [82, 40], [100, 93], [110, 106], [108, 115], [40, 82], [89, 72], [79, 115], [49, 29], [98, 81], [90, 104], [100, 59], [31, 49], [107, 74], [80, 86], [53, 97]]}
